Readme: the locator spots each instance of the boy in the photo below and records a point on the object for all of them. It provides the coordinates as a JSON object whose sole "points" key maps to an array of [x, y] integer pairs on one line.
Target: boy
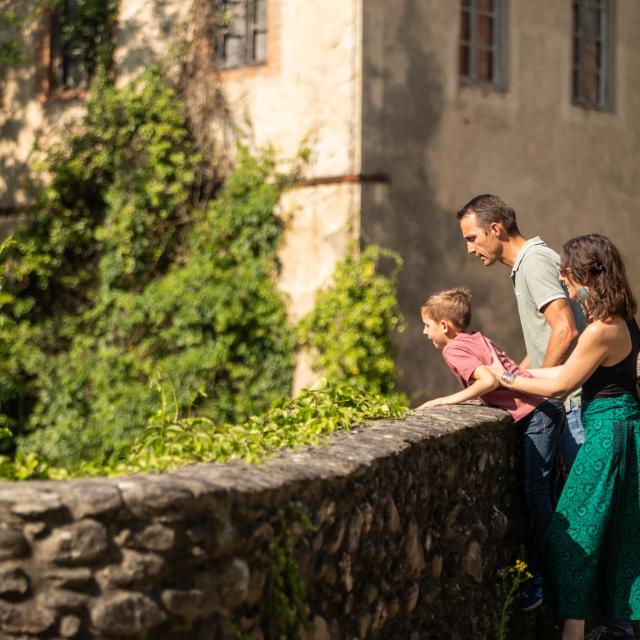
{"points": [[446, 316]]}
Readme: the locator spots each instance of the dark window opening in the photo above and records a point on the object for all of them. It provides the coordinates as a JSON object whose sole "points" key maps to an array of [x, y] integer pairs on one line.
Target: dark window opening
{"points": [[481, 50], [67, 69], [242, 33], [592, 60]]}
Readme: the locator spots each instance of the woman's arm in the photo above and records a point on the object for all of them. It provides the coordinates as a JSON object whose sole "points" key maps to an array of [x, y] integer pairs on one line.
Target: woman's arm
{"points": [[484, 381], [590, 352], [547, 372]]}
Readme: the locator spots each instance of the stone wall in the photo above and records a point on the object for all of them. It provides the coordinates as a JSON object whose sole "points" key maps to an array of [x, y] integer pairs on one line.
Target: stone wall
{"points": [[397, 530]]}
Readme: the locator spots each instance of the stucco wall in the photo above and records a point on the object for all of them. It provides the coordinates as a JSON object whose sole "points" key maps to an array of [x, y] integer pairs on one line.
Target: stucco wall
{"points": [[566, 170], [397, 530], [309, 92], [26, 116]]}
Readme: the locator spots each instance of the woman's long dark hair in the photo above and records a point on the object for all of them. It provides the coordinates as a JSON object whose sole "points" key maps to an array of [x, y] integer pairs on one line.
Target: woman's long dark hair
{"points": [[594, 261]]}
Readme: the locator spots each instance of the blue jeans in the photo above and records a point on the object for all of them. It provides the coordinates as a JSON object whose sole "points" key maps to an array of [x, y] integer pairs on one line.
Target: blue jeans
{"points": [[572, 434], [572, 438], [541, 437]]}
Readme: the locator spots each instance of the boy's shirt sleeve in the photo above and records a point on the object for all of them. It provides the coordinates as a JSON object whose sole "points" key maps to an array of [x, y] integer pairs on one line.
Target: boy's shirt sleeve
{"points": [[462, 361]]}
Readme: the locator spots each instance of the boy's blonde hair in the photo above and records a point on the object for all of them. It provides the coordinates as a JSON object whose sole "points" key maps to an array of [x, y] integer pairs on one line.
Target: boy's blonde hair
{"points": [[453, 305]]}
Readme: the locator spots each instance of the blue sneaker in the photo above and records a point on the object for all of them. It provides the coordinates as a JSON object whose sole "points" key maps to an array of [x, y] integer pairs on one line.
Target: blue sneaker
{"points": [[531, 594]]}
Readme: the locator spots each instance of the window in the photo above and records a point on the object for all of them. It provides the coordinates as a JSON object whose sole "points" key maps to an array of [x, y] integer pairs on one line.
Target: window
{"points": [[67, 70], [592, 68], [482, 50], [242, 39]]}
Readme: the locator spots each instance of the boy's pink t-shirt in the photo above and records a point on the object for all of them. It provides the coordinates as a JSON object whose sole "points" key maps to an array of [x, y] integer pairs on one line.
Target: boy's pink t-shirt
{"points": [[467, 351]]}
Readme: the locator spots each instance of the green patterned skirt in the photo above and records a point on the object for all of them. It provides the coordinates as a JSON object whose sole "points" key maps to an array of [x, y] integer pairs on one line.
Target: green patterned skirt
{"points": [[592, 546]]}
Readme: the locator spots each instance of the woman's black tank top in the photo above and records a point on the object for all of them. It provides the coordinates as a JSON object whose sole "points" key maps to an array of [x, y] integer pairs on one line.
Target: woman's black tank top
{"points": [[618, 378]]}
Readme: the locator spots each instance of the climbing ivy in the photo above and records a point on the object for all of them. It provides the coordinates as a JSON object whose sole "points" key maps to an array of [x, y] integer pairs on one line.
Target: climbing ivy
{"points": [[287, 590], [89, 31], [351, 327]]}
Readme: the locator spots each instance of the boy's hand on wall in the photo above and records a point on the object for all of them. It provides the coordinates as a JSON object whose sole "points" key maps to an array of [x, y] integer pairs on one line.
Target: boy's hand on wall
{"points": [[436, 402]]}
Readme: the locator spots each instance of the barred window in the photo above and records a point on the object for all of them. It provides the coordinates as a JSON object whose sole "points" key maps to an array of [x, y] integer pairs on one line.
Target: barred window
{"points": [[242, 33], [67, 70], [482, 41], [592, 70]]}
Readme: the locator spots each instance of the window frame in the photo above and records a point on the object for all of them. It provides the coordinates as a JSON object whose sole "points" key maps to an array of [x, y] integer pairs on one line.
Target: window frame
{"points": [[498, 45], [606, 70], [252, 27]]}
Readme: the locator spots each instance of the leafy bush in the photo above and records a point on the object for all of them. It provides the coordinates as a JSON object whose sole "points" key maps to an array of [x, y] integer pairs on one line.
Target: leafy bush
{"points": [[351, 327], [125, 272], [172, 439], [121, 274], [323, 409]]}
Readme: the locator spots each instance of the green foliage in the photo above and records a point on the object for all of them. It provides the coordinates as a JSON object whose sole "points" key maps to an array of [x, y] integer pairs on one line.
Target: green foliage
{"points": [[351, 327], [10, 25], [90, 31], [122, 273], [15, 16], [125, 271], [22, 466], [173, 438], [287, 590]]}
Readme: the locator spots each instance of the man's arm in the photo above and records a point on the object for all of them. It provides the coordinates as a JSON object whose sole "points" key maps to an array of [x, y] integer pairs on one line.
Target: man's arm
{"points": [[563, 332], [484, 381]]}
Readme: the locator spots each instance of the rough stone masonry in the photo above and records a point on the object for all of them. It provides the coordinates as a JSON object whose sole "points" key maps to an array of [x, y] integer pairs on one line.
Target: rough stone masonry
{"points": [[397, 530]]}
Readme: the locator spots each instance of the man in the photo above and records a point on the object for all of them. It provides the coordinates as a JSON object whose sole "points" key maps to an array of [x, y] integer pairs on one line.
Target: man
{"points": [[550, 322]]}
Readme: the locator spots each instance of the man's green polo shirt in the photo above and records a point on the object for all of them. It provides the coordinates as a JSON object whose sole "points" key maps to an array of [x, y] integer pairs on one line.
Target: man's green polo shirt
{"points": [[535, 280]]}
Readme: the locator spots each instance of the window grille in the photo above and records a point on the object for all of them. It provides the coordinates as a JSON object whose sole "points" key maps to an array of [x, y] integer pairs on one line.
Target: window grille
{"points": [[242, 37], [482, 42], [592, 68]]}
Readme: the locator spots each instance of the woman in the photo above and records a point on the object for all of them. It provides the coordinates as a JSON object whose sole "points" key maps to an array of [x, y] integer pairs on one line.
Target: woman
{"points": [[593, 541]]}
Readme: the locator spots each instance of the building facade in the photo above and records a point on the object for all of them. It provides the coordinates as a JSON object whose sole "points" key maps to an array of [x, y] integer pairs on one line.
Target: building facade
{"points": [[409, 109]]}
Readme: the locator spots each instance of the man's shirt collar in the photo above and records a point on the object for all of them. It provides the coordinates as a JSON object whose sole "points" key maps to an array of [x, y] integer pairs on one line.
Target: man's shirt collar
{"points": [[523, 250]]}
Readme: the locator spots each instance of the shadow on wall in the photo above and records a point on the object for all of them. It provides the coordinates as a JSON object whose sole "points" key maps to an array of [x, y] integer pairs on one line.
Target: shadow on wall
{"points": [[402, 107], [15, 146], [134, 34], [403, 104], [138, 53]]}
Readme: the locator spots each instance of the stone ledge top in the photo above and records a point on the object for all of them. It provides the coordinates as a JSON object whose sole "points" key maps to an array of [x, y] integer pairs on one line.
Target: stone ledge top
{"points": [[341, 455]]}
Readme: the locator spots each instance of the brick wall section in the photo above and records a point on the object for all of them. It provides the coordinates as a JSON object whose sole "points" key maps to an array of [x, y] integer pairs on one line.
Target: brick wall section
{"points": [[411, 520]]}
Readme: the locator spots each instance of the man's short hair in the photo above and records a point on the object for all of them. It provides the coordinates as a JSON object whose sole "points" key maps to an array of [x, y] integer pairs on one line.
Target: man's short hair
{"points": [[453, 305], [489, 209]]}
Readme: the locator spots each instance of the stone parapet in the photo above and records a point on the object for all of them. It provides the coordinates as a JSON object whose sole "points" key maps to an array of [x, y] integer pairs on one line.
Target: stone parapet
{"points": [[396, 530]]}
